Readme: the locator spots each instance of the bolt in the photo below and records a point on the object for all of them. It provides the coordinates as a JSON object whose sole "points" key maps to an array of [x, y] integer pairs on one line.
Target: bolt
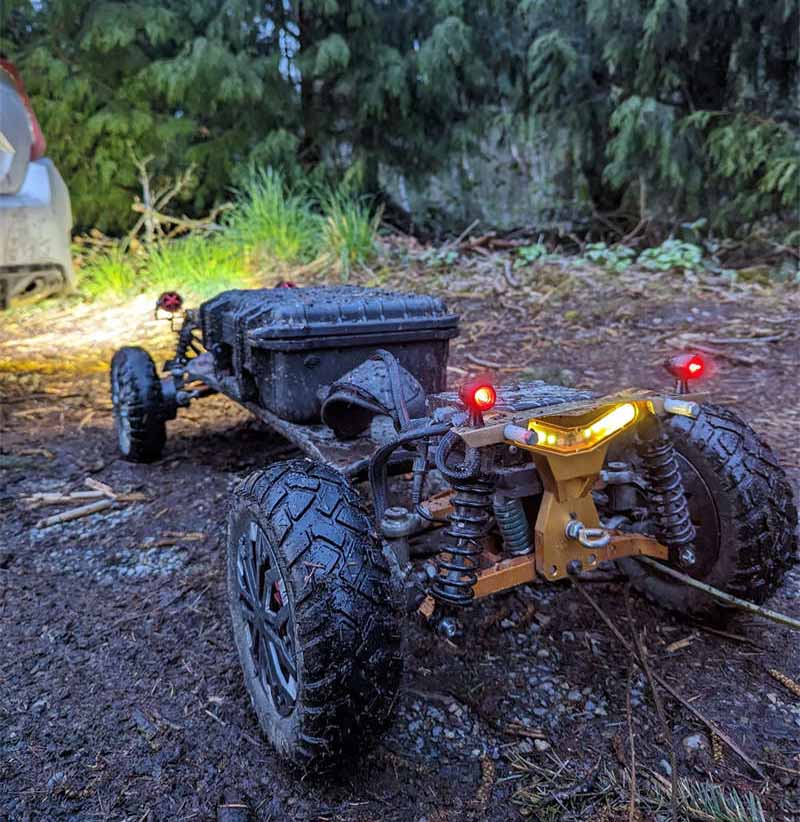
{"points": [[574, 567], [687, 556], [448, 627]]}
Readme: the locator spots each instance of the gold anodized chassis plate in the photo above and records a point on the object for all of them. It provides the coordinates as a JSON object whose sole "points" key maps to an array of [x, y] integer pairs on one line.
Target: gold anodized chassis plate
{"points": [[568, 479]]}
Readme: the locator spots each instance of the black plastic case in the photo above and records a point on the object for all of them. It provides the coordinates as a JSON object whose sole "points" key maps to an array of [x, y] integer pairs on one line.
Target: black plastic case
{"points": [[281, 346]]}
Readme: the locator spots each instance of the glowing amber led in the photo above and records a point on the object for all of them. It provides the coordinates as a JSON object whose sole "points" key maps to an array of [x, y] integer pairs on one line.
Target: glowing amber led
{"points": [[555, 438]]}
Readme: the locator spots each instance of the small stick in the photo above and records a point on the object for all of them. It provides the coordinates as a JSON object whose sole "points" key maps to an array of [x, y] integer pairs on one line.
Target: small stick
{"points": [[712, 726], [632, 745], [484, 363], [57, 498], [743, 604], [96, 485], [641, 653], [75, 513]]}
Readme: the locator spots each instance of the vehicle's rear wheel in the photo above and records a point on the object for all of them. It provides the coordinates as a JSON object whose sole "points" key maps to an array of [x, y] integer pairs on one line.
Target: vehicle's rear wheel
{"points": [[138, 405], [743, 511], [314, 616]]}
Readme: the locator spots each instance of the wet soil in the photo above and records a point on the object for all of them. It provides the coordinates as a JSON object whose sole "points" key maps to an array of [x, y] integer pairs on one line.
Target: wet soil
{"points": [[120, 692]]}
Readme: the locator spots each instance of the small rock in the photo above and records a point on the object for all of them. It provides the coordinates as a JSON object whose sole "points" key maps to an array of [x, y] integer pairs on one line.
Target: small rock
{"points": [[574, 696], [54, 780], [39, 706], [694, 742], [541, 745], [665, 766], [507, 623]]}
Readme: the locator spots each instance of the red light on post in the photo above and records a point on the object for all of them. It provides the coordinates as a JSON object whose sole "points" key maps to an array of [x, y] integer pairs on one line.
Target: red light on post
{"points": [[479, 396], [170, 301], [484, 397], [685, 367]]}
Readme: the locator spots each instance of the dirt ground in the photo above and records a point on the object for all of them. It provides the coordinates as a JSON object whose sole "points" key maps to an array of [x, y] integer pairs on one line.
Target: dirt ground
{"points": [[120, 692]]}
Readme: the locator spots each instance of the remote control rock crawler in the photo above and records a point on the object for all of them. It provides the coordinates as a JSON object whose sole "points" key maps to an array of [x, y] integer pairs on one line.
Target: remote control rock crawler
{"points": [[507, 483]]}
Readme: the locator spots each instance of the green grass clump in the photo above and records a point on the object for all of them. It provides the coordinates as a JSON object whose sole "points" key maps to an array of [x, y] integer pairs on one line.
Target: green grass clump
{"points": [[349, 229], [111, 274], [271, 228], [197, 265], [271, 222]]}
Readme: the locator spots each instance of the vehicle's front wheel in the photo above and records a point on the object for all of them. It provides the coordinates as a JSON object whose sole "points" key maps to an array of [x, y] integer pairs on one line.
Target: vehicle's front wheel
{"points": [[743, 510], [314, 616], [138, 405]]}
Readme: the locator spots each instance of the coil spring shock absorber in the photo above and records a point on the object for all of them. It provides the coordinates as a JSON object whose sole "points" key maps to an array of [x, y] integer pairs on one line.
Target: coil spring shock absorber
{"points": [[513, 525], [471, 519], [457, 563], [660, 462]]}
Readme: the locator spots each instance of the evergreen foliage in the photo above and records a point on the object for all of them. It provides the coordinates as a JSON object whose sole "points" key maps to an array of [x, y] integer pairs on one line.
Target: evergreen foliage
{"points": [[697, 101], [685, 105]]}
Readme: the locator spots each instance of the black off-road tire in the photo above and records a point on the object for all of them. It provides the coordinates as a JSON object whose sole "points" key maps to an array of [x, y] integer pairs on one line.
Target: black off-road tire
{"points": [[754, 513], [138, 405], [342, 628]]}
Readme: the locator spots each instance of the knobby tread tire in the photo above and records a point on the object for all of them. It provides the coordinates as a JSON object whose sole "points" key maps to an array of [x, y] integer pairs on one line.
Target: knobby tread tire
{"points": [[756, 510], [346, 617], [135, 371]]}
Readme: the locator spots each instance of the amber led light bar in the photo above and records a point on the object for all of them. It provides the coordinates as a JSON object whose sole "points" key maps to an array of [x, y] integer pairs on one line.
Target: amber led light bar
{"points": [[550, 437]]}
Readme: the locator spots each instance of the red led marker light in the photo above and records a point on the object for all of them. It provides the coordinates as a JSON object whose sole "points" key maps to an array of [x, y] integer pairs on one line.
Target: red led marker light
{"points": [[170, 301], [478, 395], [484, 397], [686, 367]]}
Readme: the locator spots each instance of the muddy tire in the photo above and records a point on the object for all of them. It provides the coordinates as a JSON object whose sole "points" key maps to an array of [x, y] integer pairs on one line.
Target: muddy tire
{"points": [[743, 511], [138, 405], [314, 617]]}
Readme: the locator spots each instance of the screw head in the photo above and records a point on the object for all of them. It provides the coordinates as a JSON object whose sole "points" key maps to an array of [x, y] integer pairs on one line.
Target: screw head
{"points": [[574, 567], [448, 627]]}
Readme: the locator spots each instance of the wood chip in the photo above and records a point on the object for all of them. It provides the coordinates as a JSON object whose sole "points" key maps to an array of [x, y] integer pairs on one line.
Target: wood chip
{"points": [[681, 643], [36, 452]]}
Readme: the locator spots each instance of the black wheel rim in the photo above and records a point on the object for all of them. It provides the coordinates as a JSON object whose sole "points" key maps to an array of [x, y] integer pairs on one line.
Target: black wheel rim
{"points": [[705, 518], [267, 613], [120, 400]]}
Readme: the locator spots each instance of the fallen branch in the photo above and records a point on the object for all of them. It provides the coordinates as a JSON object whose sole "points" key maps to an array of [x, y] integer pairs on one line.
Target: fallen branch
{"points": [[75, 513], [712, 726], [729, 599]]}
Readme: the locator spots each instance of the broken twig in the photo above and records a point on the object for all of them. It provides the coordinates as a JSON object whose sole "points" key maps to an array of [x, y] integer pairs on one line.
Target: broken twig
{"points": [[75, 513], [742, 604]]}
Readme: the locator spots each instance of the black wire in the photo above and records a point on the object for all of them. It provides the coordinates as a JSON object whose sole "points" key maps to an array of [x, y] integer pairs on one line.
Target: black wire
{"points": [[377, 464]]}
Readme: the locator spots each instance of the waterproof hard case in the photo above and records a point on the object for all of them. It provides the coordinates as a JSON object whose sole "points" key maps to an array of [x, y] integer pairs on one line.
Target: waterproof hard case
{"points": [[281, 347]]}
